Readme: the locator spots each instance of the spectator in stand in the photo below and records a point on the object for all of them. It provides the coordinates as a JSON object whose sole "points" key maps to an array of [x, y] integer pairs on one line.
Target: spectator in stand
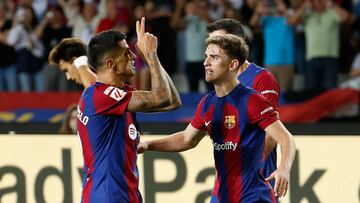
{"points": [[299, 40], [194, 24], [39, 6], [110, 20], [8, 79], [86, 22], [216, 9], [51, 31], [159, 14], [71, 9], [231, 12], [278, 40], [256, 43], [116, 16], [30, 50], [354, 81], [68, 125], [322, 20], [141, 80]]}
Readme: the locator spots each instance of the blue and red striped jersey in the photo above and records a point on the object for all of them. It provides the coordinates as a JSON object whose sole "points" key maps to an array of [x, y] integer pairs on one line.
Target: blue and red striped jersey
{"points": [[264, 83], [109, 138], [235, 124]]}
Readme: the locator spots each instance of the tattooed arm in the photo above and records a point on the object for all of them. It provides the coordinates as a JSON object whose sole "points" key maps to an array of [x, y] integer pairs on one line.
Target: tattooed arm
{"points": [[175, 98], [163, 95]]}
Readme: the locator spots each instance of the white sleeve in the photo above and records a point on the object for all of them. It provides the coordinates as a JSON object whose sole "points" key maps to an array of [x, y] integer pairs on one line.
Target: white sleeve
{"points": [[13, 35], [38, 46], [356, 62]]}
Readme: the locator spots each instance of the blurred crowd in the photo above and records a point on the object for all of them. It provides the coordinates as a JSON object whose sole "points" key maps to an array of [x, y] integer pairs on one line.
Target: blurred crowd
{"points": [[317, 40]]}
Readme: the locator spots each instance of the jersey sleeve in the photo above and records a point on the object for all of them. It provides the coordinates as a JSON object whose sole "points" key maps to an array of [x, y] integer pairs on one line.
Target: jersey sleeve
{"points": [[266, 84], [198, 120], [110, 100], [260, 111]]}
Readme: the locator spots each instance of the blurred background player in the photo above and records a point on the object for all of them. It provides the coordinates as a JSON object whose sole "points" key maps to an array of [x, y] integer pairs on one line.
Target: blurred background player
{"points": [[255, 77], [107, 123], [63, 56], [236, 118]]}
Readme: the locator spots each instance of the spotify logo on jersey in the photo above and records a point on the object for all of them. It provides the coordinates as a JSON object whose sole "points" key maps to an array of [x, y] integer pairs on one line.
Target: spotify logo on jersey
{"points": [[132, 131]]}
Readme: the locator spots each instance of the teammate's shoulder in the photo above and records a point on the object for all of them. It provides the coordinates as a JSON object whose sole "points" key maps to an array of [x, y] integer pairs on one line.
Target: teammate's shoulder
{"points": [[256, 97], [265, 74], [128, 88], [256, 68], [208, 97]]}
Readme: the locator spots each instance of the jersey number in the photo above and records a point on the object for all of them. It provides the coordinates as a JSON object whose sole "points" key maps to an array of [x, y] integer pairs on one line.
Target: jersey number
{"points": [[115, 93]]}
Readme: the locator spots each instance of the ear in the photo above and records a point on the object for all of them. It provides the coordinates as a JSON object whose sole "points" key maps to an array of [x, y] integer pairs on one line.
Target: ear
{"points": [[234, 65], [109, 63], [73, 59]]}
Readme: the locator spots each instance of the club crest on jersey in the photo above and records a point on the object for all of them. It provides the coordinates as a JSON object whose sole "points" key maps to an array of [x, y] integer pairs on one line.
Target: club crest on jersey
{"points": [[132, 132], [229, 121]]}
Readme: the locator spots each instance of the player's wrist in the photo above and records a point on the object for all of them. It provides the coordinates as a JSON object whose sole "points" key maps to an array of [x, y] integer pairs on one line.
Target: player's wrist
{"points": [[146, 145], [80, 61]]}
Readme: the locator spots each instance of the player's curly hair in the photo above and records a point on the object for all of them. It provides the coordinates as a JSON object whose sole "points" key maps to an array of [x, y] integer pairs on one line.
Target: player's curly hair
{"points": [[235, 47]]}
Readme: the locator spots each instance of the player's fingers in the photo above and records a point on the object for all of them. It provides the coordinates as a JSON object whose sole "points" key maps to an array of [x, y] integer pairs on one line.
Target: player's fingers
{"points": [[285, 187], [281, 192], [142, 25], [270, 177], [137, 27], [282, 187], [277, 187], [285, 191]]}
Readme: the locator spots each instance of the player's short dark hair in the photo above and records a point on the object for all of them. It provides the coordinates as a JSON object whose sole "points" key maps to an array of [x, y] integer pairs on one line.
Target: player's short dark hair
{"points": [[66, 50], [230, 26], [106, 42], [235, 47]]}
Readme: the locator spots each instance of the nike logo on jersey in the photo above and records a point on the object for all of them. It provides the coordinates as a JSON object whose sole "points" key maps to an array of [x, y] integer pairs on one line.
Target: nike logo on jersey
{"points": [[207, 123]]}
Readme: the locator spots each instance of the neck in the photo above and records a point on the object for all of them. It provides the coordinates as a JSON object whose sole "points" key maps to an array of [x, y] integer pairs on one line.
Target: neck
{"points": [[110, 79], [224, 88], [243, 67]]}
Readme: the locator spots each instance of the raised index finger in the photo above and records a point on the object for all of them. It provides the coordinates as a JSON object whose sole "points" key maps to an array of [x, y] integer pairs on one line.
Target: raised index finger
{"points": [[140, 27]]}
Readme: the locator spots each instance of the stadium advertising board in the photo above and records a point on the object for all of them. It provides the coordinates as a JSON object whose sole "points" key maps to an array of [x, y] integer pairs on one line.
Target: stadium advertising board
{"points": [[48, 168]]}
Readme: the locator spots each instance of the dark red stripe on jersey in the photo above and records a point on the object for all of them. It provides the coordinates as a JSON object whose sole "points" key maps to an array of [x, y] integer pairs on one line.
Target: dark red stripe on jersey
{"points": [[233, 158], [130, 163], [87, 153]]}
